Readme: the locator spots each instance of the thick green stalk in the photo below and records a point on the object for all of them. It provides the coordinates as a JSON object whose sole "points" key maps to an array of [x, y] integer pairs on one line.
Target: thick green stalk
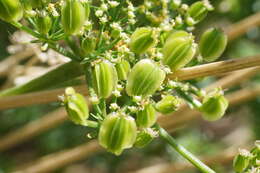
{"points": [[184, 152], [59, 75]]}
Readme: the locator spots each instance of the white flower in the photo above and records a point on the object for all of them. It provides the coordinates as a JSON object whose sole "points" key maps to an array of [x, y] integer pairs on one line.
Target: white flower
{"points": [[184, 7], [116, 26], [113, 3], [131, 7], [116, 93], [99, 13], [103, 19], [104, 7], [132, 21], [114, 106], [131, 14]]}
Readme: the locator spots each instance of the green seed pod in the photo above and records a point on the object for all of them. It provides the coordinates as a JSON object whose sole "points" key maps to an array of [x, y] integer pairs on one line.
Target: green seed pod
{"points": [[11, 10], [87, 10], [43, 23], [88, 45], [38, 3], [144, 78], [123, 67], [146, 117], [117, 132], [76, 106], [179, 34], [144, 137], [214, 106], [72, 16], [212, 44], [142, 40], [104, 79], [198, 11], [242, 160], [178, 52], [167, 105]]}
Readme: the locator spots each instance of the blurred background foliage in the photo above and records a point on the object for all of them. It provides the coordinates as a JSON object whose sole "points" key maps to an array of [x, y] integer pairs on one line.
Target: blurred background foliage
{"points": [[241, 123]]}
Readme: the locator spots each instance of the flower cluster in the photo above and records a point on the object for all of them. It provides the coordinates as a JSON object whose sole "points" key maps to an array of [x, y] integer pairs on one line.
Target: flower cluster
{"points": [[127, 49]]}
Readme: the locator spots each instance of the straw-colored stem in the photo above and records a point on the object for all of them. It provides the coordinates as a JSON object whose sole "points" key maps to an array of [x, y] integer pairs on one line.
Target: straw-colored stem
{"points": [[183, 74], [60, 159], [215, 68], [239, 28], [42, 124]]}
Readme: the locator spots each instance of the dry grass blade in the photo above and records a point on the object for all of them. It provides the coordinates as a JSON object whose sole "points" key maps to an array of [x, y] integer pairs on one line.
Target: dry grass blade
{"points": [[12, 60]]}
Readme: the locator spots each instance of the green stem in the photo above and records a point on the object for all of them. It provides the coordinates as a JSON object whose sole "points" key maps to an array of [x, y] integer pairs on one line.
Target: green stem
{"points": [[52, 44], [184, 152], [61, 74], [192, 101], [92, 124]]}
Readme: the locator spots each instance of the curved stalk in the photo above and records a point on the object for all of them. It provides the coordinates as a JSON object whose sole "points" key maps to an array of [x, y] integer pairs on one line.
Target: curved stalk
{"points": [[184, 152], [61, 74]]}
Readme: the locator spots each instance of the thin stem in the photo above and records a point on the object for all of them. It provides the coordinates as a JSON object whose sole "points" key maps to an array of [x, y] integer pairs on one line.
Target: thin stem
{"points": [[92, 124], [184, 152], [192, 101], [52, 44]]}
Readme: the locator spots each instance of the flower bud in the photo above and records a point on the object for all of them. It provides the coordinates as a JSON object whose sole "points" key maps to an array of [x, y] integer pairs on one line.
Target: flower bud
{"points": [[88, 45], [167, 105], [123, 69], [212, 44], [144, 78], [11, 10], [142, 40], [178, 52], [144, 137], [76, 106], [241, 161], [117, 132], [104, 79], [146, 117], [214, 106], [44, 24], [72, 16], [198, 11]]}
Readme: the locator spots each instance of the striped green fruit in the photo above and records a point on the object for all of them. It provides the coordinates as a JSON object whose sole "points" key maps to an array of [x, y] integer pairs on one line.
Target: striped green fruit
{"points": [[72, 16], [178, 52], [212, 44], [146, 117], [242, 160], [198, 11], [104, 78], [44, 24], [144, 78], [123, 67], [11, 10], [144, 137], [117, 132], [178, 34], [214, 107], [76, 106], [88, 45], [142, 40], [167, 105]]}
